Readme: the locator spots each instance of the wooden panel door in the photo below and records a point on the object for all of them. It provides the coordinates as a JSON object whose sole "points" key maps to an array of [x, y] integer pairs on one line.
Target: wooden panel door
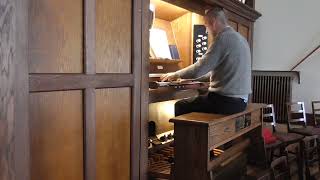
{"points": [[55, 36], [113, 133], [86, 90], [56, 130]]}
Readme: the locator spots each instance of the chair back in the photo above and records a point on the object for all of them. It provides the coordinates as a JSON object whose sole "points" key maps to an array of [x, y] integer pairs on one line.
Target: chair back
{"points": [[316, 112], [280, 169], [269, 116], [296, 114]]}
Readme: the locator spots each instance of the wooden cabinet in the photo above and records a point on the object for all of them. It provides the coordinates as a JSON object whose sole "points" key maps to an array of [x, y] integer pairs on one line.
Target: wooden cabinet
{"points": [[85, 74], [179, 22]]}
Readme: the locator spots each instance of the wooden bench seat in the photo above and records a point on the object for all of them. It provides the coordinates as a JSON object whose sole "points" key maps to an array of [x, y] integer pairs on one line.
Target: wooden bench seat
{"points": [[197, 134]]}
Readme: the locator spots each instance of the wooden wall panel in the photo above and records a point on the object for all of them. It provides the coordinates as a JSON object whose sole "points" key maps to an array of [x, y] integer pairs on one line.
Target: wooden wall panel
{"points": [[55, 36], [56, 127], [113, 36], [113, 115], [244, 31], [7, 74], [167, 11], [234, 25], [182, 30], [166, 26]]}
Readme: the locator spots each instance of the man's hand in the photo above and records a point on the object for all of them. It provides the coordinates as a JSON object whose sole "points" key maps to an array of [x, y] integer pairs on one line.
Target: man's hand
{"points": [[169, 77]]}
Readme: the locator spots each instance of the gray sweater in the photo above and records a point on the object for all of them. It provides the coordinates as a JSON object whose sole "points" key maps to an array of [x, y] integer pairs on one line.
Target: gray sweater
{"points": [[227, 62]]}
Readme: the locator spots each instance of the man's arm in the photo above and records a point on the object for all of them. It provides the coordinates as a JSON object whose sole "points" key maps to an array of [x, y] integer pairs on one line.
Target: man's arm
{"points": [[204, 78]]}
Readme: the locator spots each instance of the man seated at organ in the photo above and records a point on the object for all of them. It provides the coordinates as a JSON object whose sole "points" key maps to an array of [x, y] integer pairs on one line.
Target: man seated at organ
{"points": [[227, 65]]}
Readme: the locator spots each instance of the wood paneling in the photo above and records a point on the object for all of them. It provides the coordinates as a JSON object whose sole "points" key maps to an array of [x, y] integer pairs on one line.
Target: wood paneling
{"points": [[7, 74], [144, 97], [234, 25], [55, 36], [54, 82], [137, 116], [21, 155], [89, 92], [166, 26], [244, 31], [182, 31], [167, 11], [113, 115], [236, 7], [56, 127], [113, 36], [197, 19]]}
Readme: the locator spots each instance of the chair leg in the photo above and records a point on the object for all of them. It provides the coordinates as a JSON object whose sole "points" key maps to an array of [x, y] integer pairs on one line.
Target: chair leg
{"points": [[310, 146], [271, 156], [299, 161], [304, 161], [318, 152]]}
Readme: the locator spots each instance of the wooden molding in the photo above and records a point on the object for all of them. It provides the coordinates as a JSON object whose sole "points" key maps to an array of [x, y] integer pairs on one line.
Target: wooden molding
{"points": [[137, 92], [238, 8], [90, 155], [165, 61], [19, 150], [57, 82], [234, 6]]}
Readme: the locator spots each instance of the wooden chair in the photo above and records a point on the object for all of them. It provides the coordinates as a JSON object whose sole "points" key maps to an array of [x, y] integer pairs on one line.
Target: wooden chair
{"points": [[269, 119], [311, 154], [316, 112], [286, 139], [299, 116], [280, 169], [297, 122]]}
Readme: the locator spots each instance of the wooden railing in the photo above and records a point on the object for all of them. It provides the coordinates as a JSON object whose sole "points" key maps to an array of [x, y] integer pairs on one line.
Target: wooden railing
{"points": [[305, 58]]}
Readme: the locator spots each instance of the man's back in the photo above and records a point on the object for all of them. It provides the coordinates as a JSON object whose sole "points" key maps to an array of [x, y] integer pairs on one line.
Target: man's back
{"points": [[232, 75]]}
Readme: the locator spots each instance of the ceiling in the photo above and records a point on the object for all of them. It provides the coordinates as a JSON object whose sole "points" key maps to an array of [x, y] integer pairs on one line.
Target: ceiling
{"points": [[167, 11]]}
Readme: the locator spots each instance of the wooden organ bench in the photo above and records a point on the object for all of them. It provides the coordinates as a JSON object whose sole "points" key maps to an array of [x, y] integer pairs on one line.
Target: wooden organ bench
{"points": [[200, 136]]}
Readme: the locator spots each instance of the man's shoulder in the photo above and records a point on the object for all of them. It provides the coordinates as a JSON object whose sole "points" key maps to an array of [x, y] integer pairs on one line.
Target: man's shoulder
{"points": [[230, 36], [231, 32]]}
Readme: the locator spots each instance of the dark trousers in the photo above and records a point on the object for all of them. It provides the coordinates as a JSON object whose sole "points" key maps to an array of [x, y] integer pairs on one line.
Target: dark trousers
{"points": [[210, 103]]}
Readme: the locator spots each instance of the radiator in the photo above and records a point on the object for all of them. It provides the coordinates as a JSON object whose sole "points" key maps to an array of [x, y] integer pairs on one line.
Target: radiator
{"points": [[273, 87]]}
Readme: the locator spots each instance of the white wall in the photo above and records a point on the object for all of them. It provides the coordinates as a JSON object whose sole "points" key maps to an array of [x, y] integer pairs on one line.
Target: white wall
{"points": [[286, 32]]}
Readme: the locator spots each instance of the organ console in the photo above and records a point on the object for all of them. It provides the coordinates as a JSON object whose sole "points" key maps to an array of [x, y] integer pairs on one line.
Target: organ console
{"points": [[195, 146]]}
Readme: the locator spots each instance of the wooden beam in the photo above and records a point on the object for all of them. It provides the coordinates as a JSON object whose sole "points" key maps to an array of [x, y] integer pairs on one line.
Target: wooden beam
{"points": [[58, 82], [235, 149], [144, 90], [136, 91], [89, 36], [89, 93], [90, 133], [308, 55], [21, 148]]}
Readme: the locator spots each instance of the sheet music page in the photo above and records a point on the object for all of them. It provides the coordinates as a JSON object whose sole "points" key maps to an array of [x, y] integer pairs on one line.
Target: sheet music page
{"points": [[159, 43]]}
